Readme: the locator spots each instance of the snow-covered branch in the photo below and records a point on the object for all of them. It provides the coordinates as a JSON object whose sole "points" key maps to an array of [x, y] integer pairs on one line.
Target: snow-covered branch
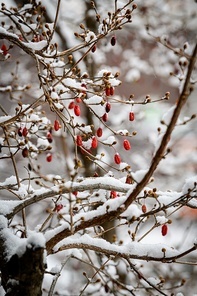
{"points": [[132, 250]]}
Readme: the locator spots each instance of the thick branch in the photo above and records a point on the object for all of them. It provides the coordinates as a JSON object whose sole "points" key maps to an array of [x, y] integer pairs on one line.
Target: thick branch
{"points": [[89, 184], [129, 251]]}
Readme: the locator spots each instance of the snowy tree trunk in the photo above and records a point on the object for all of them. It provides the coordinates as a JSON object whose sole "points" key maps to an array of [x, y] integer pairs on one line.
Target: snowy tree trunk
{"points": [[22, 272], [23, 275]]}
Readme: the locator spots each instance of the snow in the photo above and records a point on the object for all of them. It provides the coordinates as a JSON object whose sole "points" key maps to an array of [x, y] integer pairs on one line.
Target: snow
{"points": [[161, 219], [5, 118], [16, 245], [189, 185], [131, 249], [54, 95], [42, 143], [36, 46], [69, 82], [90, 36], [9, 181], [123, 132], [7, 206], [36, 240], [111, 140], [94, 100], [3, 222], [5, 32], [132, 211], [139, 175]]}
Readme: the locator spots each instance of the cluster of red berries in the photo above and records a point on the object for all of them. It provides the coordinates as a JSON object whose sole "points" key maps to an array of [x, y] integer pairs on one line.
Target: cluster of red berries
{"points": [[22, 131], [74, 104], [76, 108], [94, 142]]}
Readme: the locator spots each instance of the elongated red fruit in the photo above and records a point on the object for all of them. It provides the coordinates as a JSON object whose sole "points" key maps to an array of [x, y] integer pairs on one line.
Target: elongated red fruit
{"points": [[144, 209], [127, 145], [131, 116], [25, 132], [99, 132], [77, 110], [93, 48], [117, 158], [49, 157], [78, 100], [20, 131], [107, 91], [56, 125], [94, 142], [49, 137], [25, 152], [71, 105], [105, 117], [108, 107], [79, 141], [111, 91], [164, 229]]}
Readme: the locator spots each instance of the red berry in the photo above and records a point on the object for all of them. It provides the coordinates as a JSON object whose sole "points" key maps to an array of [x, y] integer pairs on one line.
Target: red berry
{"points": [[94, 48], [113, 40], [79, 141], [127, 145], [144, 209], [164, 229], [20, 132], [108, 107], [58, 207], [78, 100], [49, 137], [107, 91], [99, 132], [113, 194], [117, 158], [4, 49], [25, 152], [49, 157], [131, 116], [25, 132], [129, 180], [75, 193], [94, 142], [71, 105], [111, 91], [56, 125], [77, 110], [105, 117]]}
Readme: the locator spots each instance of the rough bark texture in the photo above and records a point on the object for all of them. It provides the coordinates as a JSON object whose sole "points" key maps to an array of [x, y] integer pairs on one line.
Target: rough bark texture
{"points": [[22, 275]]}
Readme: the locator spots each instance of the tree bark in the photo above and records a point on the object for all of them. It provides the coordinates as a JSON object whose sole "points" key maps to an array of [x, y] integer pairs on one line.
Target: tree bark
{"points": [[21, 274]]}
